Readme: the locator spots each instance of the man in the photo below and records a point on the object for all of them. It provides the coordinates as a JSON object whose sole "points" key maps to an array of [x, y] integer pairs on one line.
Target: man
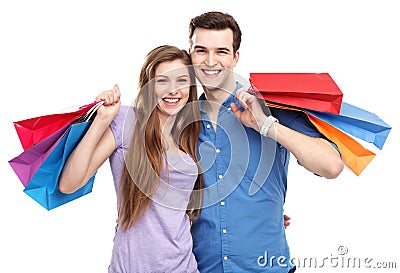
{"points": [[244, 153]]}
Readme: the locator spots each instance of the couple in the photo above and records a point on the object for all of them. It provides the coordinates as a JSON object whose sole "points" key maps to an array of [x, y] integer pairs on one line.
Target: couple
{"points": [[201, 186]]}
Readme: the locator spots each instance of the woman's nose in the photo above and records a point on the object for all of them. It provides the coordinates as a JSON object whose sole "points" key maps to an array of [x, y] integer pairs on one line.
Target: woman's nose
{"points": [[173, 88]]}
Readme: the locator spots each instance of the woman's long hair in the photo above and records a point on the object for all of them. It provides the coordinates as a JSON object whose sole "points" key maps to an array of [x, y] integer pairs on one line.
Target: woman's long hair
{"points": [[144, 159]]}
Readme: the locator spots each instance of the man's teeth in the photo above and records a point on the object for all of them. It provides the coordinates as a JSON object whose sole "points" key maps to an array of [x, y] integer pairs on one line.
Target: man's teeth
{"points": [[211, 72], [172, 100]]}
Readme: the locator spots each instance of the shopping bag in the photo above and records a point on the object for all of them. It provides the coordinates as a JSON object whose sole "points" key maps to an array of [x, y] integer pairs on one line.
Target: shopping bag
{"points": [[33, 130], [26, 164], [313, 91], [355, 155], [359, 123], [43, 186]]}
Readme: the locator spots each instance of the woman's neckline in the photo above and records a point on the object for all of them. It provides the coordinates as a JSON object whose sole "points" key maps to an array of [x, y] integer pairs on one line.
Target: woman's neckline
{"points": [[177, 155]]}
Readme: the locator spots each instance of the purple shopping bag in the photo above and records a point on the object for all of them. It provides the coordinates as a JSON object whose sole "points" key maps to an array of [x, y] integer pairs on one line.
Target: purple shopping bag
{"points": [[27, 163]]}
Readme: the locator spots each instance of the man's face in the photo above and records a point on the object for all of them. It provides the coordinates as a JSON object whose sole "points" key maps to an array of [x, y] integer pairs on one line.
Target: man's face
{"points": [[212, 56]]}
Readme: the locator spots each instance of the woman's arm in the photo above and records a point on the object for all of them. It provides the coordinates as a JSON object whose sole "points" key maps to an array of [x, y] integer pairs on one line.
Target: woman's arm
{"points": [[95, 147]]}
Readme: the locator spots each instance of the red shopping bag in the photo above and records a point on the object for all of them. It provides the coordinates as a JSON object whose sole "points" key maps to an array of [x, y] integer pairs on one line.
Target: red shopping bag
{"points": [[33, 130], [312, 91]]}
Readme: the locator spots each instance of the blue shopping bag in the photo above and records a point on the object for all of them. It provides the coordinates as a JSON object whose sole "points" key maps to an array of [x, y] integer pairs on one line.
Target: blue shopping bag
{"points": [[359, 123], [43, 186]]}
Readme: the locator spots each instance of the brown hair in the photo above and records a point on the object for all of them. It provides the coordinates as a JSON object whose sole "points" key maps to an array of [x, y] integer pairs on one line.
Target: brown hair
{"points": [[144, 159], [215, 20]]}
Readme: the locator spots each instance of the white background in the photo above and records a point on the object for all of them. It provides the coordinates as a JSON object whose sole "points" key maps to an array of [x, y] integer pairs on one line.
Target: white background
{"points": [[57, 54]]}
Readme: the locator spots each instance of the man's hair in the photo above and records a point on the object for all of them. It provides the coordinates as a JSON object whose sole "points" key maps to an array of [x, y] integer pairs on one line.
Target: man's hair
{"points": [[215, 20]]}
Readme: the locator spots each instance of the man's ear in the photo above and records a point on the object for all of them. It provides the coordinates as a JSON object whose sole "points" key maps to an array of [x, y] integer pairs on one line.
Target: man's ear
{"points": [[190, 46], [235, 58]]}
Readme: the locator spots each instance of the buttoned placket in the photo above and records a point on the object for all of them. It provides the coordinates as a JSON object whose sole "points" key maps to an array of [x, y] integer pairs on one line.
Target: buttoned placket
{"points": [[218, 139], [221, 191]]}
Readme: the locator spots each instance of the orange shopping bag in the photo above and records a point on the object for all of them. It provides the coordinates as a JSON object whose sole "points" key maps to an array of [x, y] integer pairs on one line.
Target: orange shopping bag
{"points": [[353, 153]]}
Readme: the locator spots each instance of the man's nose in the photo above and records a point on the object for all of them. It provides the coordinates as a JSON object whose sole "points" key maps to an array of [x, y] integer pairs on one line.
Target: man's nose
{"points": [[210, 60]]}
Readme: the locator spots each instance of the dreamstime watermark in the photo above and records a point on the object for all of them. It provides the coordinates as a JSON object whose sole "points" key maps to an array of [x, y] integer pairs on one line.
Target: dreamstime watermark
{"points": [[339, 260]]}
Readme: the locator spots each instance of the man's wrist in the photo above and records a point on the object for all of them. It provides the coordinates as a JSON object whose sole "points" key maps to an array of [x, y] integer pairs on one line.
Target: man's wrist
{"points": [[268, 122]]}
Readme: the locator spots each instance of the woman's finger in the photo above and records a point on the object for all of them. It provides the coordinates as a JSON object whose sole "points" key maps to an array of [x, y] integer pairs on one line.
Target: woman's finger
{"points": [[110, 97]]}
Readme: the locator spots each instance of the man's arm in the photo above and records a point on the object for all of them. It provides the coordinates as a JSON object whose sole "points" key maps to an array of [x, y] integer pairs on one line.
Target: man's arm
{"points": [[315, 154]]}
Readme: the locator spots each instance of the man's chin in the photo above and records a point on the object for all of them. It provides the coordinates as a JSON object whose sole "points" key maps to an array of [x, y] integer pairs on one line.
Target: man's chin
{"points": [[213, 85]]}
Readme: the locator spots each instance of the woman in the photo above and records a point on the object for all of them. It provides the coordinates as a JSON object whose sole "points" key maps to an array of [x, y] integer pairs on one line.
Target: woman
{"points": [[154, 171]]}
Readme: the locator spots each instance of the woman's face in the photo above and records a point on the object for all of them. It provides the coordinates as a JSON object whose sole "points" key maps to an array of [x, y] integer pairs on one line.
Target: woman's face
{"points": [[172, 87]]}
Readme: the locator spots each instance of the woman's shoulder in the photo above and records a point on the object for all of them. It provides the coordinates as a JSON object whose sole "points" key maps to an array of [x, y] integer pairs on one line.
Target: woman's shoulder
{"points": [[125, 109], [125, 114], [122, 124]]}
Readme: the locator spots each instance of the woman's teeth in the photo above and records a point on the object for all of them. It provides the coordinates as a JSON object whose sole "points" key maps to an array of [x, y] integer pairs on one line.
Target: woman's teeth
{"points": [[171, 100]]}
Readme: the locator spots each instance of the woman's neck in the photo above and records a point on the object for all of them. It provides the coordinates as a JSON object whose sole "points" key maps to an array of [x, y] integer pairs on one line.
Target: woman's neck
{"points": [[168, 141], [166, 124]]}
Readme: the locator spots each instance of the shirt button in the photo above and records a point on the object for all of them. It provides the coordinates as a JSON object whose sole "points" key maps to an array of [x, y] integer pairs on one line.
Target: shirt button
{"points": [[220, 176], [225, 258], [224, 231], [217, 151], [229, 109], [208, 126], [222, 203]]}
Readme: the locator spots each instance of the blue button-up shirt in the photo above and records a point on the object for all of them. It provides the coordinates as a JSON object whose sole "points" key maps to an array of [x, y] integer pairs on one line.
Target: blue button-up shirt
{"points": [[241, 227]]}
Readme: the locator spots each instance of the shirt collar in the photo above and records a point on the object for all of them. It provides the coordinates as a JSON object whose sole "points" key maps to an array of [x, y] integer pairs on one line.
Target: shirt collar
{"points": [[226, 103]]}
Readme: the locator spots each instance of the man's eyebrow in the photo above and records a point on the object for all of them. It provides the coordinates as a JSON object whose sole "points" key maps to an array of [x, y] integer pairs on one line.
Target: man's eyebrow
{"points": [[218, 48], [224, 48], [199, 47]]}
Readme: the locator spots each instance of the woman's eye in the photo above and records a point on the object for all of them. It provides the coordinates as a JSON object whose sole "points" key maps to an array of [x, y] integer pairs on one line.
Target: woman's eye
{"points": [[161, 81]]}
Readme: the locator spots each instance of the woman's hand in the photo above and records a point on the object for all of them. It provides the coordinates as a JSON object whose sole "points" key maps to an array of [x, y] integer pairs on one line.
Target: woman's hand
{"points": [[112, 102]]}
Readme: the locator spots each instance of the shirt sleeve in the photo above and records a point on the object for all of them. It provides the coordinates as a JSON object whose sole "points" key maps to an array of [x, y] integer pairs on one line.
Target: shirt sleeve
{"points": [[122, 126], [299, 122]]}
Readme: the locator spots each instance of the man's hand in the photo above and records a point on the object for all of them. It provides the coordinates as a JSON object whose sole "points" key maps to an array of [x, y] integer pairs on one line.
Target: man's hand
{"points": [[253, 115], [286, 220]]}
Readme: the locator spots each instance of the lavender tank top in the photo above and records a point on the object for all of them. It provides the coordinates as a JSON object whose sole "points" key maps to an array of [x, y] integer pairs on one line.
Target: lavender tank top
{"points": [[161, 240]]}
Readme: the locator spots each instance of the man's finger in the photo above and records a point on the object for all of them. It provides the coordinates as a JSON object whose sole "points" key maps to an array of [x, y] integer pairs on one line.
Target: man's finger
{"points": [[235, 109]]}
